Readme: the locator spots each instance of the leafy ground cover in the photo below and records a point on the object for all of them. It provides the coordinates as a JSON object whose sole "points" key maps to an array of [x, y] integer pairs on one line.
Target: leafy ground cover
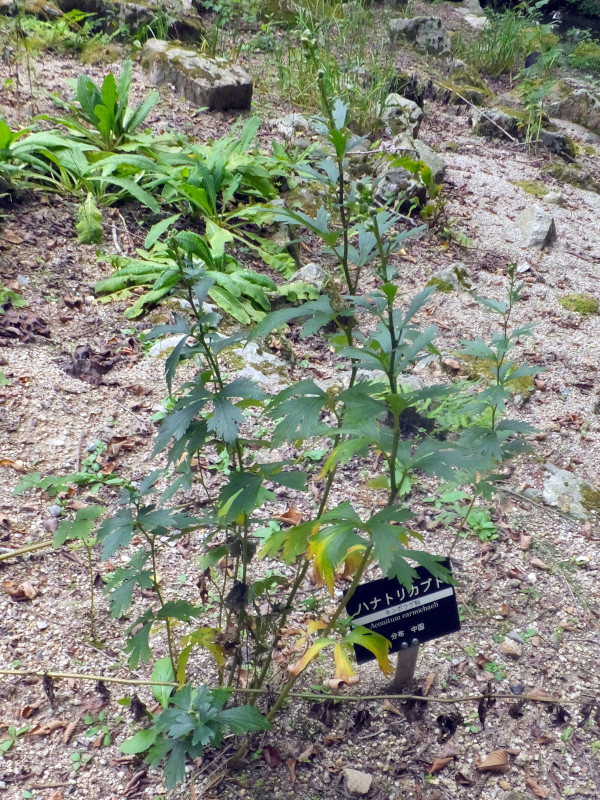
{"points": [[525, 572]]}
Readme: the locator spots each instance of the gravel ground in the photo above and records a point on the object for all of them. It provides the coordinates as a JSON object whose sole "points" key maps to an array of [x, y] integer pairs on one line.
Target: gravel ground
{"points": [[529, 599]]}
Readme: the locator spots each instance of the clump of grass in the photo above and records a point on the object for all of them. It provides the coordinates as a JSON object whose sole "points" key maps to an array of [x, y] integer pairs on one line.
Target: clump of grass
{"points": [[502, 45]]}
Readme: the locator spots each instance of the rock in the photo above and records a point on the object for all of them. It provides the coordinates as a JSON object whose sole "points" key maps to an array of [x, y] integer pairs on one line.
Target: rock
{"points": [[537, 226], [579, 106], [556, 198], [511, 648], [450, 278], [260, 366], [465, 82], [501, 123], [292, 123], [427, 34], [164, 346], [400, 114], [38, 8], [398, 183], [357, 783], [496, 123], [557, 143], [210, 82], [186, 23], [435, 162], [569, 493], [312, 274], [55, 510]]}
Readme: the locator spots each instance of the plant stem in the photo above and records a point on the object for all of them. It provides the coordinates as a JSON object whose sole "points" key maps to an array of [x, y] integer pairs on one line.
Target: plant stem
{"points": [[305, 695]]}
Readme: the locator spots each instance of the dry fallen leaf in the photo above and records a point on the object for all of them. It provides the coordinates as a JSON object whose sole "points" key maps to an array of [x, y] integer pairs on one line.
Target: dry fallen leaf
{"points": [[497, 761], [21, 591], [537, 788], [429, 681], [538, 694], [29, 709], [387, 706], [18, 465], [291, 763], [536, 562], [48, 727], [307, 754], [12, 237], [462, 780], [293, 516], [439, 764], [57, 795], [525, 542]]}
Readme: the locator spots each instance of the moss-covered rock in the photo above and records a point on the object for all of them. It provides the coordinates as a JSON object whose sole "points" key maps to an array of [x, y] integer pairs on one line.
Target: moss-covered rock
{"points": [[574, 176], [210, 82], [584, 304]]}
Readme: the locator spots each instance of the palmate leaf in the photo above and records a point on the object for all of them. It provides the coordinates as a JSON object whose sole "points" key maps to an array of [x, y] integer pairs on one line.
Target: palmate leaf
{"points": [[292, 542], [116, 532], [241, 495], [388, 536], [330, 548], [122, 582], [177, 421], [299, 409], [138, 646], [319, 312], [79, 528], [226, 416]]}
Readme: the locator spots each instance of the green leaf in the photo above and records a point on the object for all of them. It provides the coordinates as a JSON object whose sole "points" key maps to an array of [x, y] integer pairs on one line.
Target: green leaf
{"points": [[79, 528], [244, 719], [156, 231], [89, 222], [163, 671], [139, 743], [217, 237]]}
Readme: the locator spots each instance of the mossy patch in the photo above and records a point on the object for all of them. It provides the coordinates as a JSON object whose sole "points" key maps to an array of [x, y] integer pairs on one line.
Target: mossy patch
{"points": [[534, 188], [573, 176], [441, 285], [95, 52], [584, 304], [590, 498]]}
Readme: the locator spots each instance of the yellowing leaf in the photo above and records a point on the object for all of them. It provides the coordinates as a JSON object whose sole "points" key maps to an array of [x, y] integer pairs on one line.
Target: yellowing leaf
{"points": [[353, 559], [375, 643], [312, 652], [315, 625], [343, 668]]}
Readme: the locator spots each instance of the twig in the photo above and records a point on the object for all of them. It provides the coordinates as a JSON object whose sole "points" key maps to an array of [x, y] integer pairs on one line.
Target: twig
{"points": [[78, 459], [116, 240], [30, 548], [311, 695]]}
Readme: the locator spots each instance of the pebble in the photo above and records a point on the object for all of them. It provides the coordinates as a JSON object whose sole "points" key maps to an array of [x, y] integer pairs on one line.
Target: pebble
{"points": [[511, 648], [42, 625], [55, 510], [514, 635]]}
